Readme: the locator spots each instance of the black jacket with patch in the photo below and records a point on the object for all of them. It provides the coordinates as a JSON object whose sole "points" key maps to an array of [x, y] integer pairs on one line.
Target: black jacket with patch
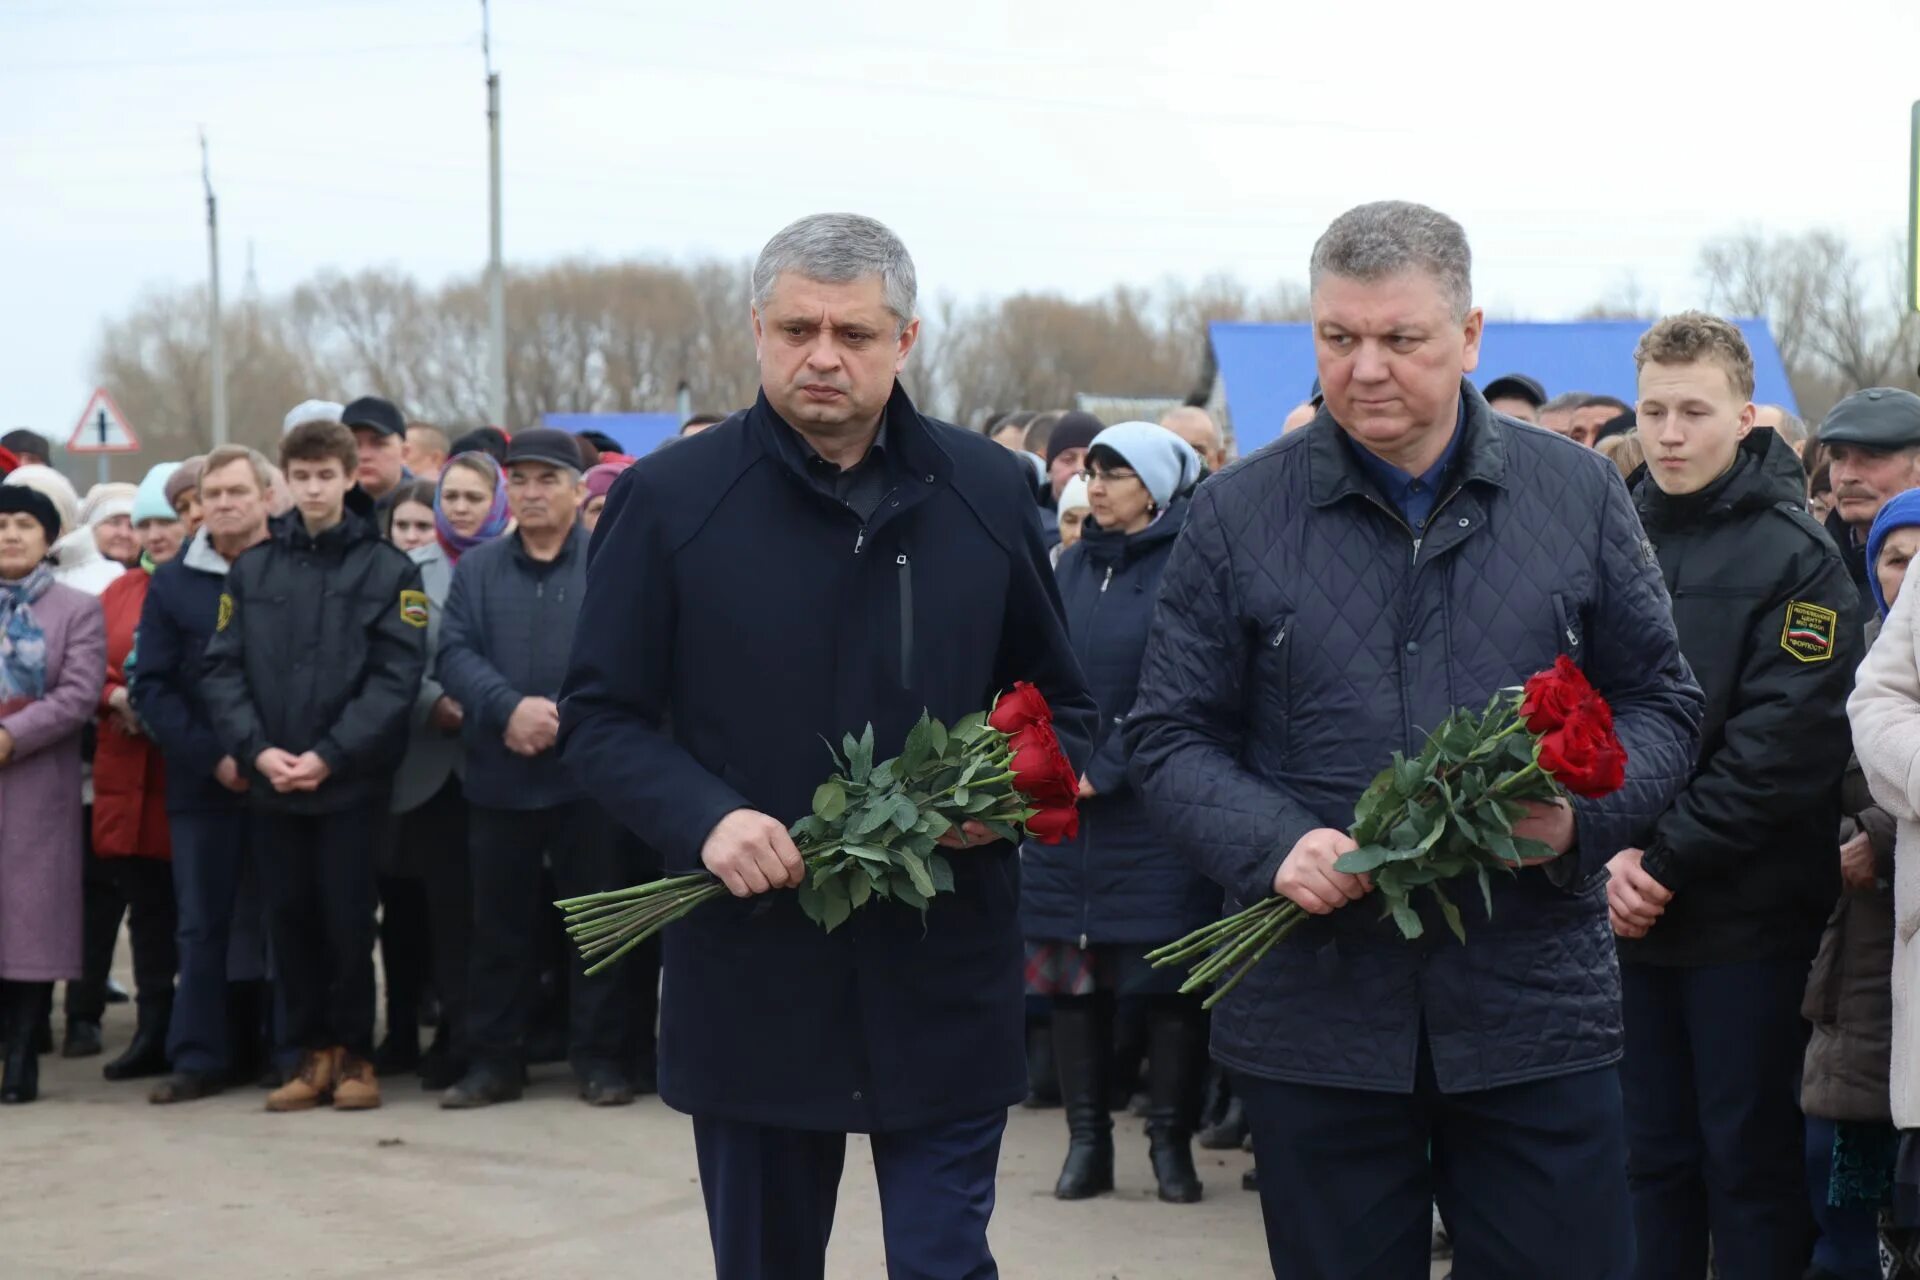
{"points": [[1769, 620], [319, 646]]}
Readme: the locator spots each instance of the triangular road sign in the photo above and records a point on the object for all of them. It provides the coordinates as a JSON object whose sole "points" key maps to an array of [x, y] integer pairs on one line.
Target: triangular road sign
{"points": [[103, 428]]}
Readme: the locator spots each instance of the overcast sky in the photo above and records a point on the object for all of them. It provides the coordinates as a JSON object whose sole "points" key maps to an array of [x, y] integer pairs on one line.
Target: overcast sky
{"points": [[1028, 145]]}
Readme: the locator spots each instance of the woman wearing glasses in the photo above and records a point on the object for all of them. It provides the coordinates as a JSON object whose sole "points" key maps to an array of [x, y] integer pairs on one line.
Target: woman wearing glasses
{"points": [[1093, 906]]}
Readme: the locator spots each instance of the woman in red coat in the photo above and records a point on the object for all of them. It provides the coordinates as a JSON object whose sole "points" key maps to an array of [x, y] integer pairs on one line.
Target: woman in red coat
{"points": [[129, 793]]}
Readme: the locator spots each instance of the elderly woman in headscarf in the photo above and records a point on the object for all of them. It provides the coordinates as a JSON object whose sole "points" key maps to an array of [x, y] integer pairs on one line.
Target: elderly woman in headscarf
{"points": [[77, 561], [1094, 905], [52, 664], [430, 811], [182, 492], [598, 481]]}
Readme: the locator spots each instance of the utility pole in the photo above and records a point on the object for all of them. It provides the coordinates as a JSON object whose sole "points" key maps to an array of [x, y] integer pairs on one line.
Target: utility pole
{"points": [[496, 276], [217, 340]]}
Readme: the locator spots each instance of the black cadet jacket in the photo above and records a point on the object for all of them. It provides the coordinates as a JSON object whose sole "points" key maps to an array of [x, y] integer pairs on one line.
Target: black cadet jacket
{"points": [[1768, 619], [319, 646]]}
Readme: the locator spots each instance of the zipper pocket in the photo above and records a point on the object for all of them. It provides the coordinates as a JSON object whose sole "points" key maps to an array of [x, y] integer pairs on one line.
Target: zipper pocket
{"points": [[1566, 619], [905, 567]]}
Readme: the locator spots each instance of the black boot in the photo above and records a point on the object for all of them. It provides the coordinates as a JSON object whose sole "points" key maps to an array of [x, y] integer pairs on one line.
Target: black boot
{"points": [[147, 1055], [1083, 1049], [249, 1052], [82, 1040], [21, 1011], [1043, 1076], [1177, 1074]]}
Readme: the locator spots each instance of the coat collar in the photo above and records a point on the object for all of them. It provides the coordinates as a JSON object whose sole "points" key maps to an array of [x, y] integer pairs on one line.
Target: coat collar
{"points": [[1333, 473], [921, 456]]}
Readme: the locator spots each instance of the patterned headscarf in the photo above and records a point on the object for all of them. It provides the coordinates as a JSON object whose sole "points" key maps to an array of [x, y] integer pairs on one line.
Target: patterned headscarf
{"points": [[498, 517], [23, 645]]}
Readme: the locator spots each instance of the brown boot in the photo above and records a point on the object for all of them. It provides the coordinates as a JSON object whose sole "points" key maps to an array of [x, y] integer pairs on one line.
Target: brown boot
{"points": [[311, 1085], [357, 1089]]}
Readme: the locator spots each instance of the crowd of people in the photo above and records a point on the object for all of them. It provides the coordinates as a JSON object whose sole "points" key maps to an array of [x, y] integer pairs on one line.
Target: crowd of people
{"points": [[394, 690]]}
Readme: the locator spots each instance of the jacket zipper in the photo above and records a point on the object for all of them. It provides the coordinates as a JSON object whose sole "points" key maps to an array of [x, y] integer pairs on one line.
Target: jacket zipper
{"points": [[1086, 906], [1106, 581], [905, 566]]}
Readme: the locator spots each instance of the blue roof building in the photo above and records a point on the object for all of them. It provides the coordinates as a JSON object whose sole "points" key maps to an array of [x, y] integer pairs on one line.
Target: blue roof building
{"points": [[1267, 369], [638, 433]]}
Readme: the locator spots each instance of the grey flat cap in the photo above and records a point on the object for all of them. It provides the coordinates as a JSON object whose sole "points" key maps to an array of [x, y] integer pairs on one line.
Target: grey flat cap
{"points": [[1876, 418]]}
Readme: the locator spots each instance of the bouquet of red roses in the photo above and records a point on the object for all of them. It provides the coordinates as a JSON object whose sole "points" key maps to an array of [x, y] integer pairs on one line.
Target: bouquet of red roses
{"points": [[1447, 813], [875, 828]]}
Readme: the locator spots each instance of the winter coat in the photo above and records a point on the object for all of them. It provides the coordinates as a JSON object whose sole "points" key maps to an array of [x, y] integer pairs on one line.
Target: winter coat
{"points": [[129, 773], [319, 646], [1885, 711], [509, 623], [1119, 880], [1770, 624], [40, 835], [735, 615], [77, 563], [177, 620], [1304, 633], [432, 756]]}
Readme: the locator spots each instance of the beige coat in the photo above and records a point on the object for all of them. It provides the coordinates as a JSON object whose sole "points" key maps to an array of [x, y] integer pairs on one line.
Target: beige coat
{"points": [[1885, 709]]}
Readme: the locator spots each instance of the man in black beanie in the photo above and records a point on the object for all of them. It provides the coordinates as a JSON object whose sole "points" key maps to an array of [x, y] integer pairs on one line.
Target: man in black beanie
{"points": [[1067, 448]]}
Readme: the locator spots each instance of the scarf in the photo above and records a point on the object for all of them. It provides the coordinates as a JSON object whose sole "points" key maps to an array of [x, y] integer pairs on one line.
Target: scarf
{"points": [[456, 544], [23, 645]]}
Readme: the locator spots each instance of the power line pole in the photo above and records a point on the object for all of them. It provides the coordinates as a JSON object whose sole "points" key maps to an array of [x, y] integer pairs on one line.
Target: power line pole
{"points": [[216, 339], [496, 276]]}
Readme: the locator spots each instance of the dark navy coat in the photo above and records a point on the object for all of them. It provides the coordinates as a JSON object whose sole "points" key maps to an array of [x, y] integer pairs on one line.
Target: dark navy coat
{"points": [[1303, 635], [735, 615], [1119, 880], [176, 621]]}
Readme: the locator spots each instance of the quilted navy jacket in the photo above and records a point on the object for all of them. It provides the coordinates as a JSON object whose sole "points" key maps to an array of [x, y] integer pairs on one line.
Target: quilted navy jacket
{"points": [[1303, 634], [1119, 880]]}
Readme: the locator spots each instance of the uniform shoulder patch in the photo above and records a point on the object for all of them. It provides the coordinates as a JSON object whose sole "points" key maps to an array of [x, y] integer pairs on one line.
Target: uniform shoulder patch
{"points": [[413, 608], [225, 616], [1809, 631]]}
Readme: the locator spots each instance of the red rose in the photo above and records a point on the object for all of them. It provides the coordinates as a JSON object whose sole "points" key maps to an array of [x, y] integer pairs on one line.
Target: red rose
{"points": [[1051, 826], [1551, 696], [1041, 770], [1019, 707], [1584, 755]]}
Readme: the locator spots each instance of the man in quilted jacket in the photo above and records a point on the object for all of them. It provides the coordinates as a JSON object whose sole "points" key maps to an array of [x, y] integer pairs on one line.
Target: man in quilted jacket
{"points": [[1333, 597]]}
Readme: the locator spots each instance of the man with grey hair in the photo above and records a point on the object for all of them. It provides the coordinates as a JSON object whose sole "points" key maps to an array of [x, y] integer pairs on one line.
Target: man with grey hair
{"points": [[826, 560], [1196, 426], [1556, 415], [1786, 424], [1332, 598]]}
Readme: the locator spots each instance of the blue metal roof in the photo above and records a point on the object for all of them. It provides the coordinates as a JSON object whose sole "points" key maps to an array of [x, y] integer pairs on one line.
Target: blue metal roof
{"points": [[1269, 368], [638, 433]]}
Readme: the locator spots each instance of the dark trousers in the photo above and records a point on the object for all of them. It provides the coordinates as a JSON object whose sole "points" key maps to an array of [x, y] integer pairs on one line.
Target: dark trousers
{"points": [[211, 853], [511, 918], [771, 1193], [146, 885], [1714, 1132], [101, 910], [640, 864], [1531, 1178], [406, 952], [316, 873], [437, 832]]}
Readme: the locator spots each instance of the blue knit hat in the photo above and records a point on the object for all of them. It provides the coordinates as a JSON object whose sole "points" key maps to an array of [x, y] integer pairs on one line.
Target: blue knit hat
{"points": [[1902, 511], [1166, 464], [150, 501]]}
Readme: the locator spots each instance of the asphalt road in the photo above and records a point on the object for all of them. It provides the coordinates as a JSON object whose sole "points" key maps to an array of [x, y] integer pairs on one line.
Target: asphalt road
{"points": [[94, 1182]]}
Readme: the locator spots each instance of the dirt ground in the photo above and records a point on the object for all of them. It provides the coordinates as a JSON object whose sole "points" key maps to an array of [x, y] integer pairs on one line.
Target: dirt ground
{"points": [[94, 1182]]}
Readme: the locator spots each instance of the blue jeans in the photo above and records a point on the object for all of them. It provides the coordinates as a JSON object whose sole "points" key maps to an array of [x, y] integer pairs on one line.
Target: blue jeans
{"points": [[771, 1194]]}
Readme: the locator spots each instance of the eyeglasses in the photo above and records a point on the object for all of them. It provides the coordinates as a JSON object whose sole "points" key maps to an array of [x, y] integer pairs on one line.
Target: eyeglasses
{"points": [[1118, 476]]}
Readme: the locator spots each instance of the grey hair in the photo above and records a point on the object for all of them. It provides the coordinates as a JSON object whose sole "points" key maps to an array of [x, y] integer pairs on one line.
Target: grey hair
{"points": [[228, 454], [835, 248], [1373, 241], [1567, 401], [1793, 427]]}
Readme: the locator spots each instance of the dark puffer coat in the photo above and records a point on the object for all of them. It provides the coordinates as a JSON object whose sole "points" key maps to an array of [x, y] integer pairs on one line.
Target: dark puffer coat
{"points": [[1119, 880], [1303, 635]]}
